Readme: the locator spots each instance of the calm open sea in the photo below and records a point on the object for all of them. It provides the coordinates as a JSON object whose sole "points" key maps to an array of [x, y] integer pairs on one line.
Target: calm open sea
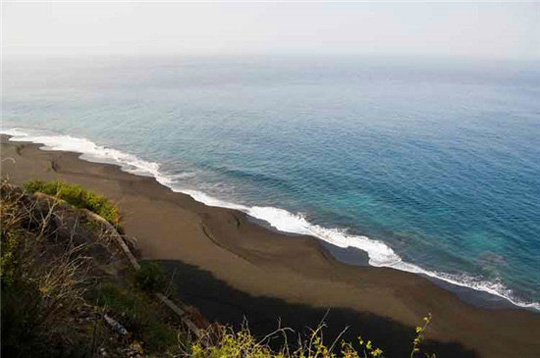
{"points": [[430, 166]]}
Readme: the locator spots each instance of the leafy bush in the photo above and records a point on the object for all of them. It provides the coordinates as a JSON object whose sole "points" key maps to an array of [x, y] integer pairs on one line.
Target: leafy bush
{"points": [[77, 196], [151, 277]]}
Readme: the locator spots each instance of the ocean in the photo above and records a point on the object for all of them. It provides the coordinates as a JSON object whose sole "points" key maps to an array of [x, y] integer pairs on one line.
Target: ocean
{"points": [[428, 165]]}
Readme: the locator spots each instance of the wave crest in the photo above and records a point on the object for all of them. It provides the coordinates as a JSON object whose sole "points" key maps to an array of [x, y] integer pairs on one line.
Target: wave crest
{"points": [[380, 254]]}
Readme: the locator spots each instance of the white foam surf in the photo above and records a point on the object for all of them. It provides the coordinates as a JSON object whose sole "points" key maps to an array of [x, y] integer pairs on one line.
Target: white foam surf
{"points": [[89, 151], [380, 254]]}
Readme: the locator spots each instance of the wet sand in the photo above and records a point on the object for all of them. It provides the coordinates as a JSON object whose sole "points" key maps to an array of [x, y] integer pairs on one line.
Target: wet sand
{"points": [[229, 266]]}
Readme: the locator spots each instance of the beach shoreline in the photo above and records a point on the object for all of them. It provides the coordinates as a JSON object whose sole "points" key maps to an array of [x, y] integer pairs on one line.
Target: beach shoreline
{"points": [[264, 263], [355, 249]]}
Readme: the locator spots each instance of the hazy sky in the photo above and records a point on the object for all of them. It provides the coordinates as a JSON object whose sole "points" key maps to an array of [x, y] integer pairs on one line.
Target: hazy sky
{"points": [[510, 30]]}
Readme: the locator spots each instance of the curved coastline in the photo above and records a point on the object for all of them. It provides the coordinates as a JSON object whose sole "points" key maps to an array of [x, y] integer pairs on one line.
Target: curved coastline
{"points": [[264, 263], [379, 254]]}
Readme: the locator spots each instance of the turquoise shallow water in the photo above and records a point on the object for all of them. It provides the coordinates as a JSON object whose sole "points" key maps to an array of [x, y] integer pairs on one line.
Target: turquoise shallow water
{"points": [[428, 166]]}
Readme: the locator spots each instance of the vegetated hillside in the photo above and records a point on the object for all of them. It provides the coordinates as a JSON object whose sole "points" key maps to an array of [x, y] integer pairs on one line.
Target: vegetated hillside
{"points": [[69, 290]]}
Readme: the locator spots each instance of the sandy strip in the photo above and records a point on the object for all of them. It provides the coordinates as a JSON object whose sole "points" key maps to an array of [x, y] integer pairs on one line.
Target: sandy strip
{"points": [[264, 263]]}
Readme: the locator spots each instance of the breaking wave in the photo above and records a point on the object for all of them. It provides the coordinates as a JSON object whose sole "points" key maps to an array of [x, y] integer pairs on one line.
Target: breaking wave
{"points": [[380, 254]]}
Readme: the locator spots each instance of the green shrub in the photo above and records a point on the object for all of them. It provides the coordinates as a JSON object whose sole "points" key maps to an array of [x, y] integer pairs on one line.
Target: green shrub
{"points": [[151, 277], [34, 186], [77, 196]]}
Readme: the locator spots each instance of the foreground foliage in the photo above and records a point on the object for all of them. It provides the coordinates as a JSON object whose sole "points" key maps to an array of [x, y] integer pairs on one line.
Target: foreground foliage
{"points": [[64, 284], [239, 344], [77, 196]]}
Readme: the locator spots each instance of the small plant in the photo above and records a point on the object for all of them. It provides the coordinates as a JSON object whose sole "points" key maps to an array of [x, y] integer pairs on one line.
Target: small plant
{"points": [[77, 196], [420, 337], [151, 277], [367, 349]]}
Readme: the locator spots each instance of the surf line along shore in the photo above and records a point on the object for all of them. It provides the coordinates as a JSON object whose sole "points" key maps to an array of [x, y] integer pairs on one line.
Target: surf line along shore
{"points": [[269, 274]]}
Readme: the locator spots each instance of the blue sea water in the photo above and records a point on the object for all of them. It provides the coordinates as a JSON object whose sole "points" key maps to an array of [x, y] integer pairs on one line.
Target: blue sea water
{"points": [[430, 166]]}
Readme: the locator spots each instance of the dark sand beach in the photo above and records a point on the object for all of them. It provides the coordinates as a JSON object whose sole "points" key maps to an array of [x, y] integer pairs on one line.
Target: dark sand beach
{"points": [[230, 267]]}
